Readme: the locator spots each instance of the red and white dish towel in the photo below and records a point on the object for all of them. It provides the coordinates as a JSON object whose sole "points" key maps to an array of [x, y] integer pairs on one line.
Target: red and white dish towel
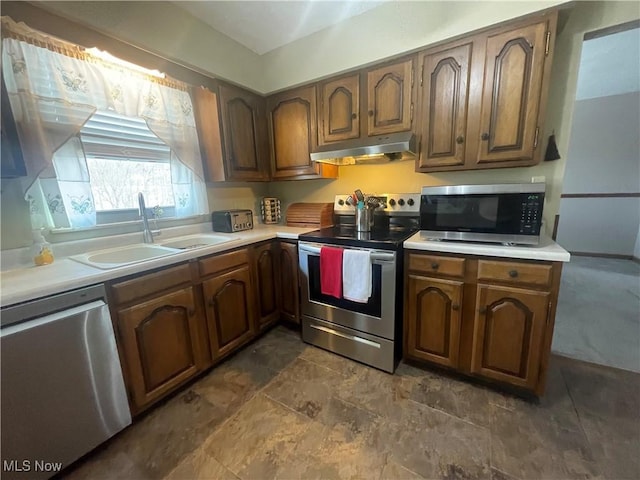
{"points": [[356, 275], [331, 271]]}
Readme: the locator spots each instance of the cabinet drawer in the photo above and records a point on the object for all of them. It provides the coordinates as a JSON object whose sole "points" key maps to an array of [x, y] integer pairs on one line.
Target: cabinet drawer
{"points": [[219, 263], [152, 283], [435, 264], [512, 272]]}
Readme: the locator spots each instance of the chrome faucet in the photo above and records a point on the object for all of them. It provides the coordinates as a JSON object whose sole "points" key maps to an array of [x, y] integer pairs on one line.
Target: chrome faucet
{"points": [[146, 231]]}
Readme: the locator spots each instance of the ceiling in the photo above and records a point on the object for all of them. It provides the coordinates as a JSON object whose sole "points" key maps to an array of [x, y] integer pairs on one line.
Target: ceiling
{"points": [[610, 65], [263, 26]]}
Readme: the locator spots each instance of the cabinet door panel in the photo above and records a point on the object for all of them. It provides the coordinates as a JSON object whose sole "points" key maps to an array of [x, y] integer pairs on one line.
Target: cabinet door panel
{"points": [[514, 65], [434, 320], [508, 332], [444, 107], [265, 267], [230, 310], [292, 124], [244, 129], [340, 109], [290, 297], [389, 98], [160, 343]]}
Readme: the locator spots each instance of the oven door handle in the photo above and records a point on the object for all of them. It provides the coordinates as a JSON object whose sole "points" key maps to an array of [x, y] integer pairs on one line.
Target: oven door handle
{"points": [[375, 256]]}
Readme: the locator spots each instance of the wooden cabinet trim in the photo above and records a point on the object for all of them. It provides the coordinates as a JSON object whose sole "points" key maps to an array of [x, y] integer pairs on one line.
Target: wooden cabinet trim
{"points": [[437, 265], [515, 272], [148, 284], [219, 263]]}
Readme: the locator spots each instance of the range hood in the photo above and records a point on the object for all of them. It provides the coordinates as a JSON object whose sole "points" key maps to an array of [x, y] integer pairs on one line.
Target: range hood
{"points": [[370, 150]]}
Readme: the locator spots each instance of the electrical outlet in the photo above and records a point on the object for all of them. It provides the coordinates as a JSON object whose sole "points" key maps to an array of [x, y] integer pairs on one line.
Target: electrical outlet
{"points": [[539, 179]]}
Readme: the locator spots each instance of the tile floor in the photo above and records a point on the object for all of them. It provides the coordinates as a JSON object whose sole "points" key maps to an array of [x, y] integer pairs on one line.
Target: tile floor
{"points": [[283, 409]]}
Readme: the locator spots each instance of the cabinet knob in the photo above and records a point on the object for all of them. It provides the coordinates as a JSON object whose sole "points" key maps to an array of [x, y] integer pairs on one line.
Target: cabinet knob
{"points": [[435, 265], [482, 310], [371, 113], [460, 139], [485, 136], [455, 306], [212, 303], [513, 273], [191, 312], [354, 115]]}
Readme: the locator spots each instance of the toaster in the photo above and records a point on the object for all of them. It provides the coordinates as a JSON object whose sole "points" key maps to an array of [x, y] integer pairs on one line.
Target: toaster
{"points": [[230, 221]]}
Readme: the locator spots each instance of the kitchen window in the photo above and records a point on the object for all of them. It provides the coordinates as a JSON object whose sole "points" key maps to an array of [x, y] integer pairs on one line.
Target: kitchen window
{"points": [[96, 131]]}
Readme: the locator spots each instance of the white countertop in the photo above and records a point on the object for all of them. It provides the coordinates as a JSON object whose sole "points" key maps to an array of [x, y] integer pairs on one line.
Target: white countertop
{"points": [[28, 283], [547, 249]]}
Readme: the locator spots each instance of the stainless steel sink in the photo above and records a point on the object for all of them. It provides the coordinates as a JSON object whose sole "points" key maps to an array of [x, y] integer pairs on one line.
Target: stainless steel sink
{"points": [[118, 257], [197, 241]]}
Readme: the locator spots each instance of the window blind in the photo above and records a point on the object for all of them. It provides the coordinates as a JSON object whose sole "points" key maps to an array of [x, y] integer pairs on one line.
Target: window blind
{"points": [[112, 136]]}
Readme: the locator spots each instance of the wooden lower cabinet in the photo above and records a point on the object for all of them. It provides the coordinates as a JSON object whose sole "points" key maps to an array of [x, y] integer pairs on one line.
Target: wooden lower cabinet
{"points": [[160, 340], [229, 306], [265, 267], [289, 278], [492, 319], [434, 319], [508, 331]]}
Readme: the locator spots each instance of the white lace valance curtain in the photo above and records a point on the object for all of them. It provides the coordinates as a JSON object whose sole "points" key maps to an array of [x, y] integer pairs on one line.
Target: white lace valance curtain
{"points": [[54, 88]]}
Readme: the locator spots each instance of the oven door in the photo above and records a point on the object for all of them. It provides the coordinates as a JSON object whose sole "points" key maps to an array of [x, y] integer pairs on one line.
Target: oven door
{"points": [[376, 317]]}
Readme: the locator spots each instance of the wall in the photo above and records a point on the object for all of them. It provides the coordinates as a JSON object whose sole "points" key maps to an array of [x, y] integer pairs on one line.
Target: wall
{"points": [[165, 29], [391, 29], [604, 149]]}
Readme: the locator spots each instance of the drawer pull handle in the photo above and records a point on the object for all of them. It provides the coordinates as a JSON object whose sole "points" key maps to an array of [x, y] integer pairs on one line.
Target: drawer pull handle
{"points": [[455, 306], [513, 273], [435, 265], [482, 310]]}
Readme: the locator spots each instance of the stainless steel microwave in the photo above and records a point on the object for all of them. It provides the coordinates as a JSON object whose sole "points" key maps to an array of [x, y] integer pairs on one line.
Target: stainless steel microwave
{"points": [[506, 213]]}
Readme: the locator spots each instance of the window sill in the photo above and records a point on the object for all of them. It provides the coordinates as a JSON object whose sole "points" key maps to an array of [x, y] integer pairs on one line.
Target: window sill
{"points": [[59, 235]]}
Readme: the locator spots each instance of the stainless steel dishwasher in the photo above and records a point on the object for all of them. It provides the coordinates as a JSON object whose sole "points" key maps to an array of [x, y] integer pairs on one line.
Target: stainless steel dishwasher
{"points": [[62, 387]]}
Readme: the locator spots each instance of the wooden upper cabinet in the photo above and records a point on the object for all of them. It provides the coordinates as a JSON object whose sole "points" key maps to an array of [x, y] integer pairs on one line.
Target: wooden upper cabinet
{"points": [[482, 99], [389, 98], [244, 134], [293, 133], [206, 111], [508, 334], [339, 112], [514, 64], [443, 106]]}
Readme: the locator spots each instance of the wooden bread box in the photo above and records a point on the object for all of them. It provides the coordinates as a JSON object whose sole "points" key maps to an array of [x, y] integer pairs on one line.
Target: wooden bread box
{"points": [[318, 215]]}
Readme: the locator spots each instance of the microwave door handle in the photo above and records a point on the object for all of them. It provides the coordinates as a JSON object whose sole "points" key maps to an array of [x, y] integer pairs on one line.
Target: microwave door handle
{"points": [[375, 256]]}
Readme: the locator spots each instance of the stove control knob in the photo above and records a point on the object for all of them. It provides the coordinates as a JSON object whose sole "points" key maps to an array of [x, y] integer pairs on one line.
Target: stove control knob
{"points": [[410, 202], [392, 202], [340, 202], [401, 202]]}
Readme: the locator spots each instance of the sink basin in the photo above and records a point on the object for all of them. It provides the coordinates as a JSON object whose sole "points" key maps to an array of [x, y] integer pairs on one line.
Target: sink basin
{"points": [[196, 241], [117, 257]]}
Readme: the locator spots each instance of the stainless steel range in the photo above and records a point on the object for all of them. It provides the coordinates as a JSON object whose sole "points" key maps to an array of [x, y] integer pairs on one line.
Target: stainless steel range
{"points": [[371, 331]]}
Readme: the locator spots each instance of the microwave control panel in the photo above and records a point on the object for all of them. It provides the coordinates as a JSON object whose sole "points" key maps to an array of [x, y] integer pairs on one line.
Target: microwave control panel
{"points": [[531, 213]]}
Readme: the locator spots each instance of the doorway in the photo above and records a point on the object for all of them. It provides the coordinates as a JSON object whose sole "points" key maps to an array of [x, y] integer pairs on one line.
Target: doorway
{"points": [[598, 317]]}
